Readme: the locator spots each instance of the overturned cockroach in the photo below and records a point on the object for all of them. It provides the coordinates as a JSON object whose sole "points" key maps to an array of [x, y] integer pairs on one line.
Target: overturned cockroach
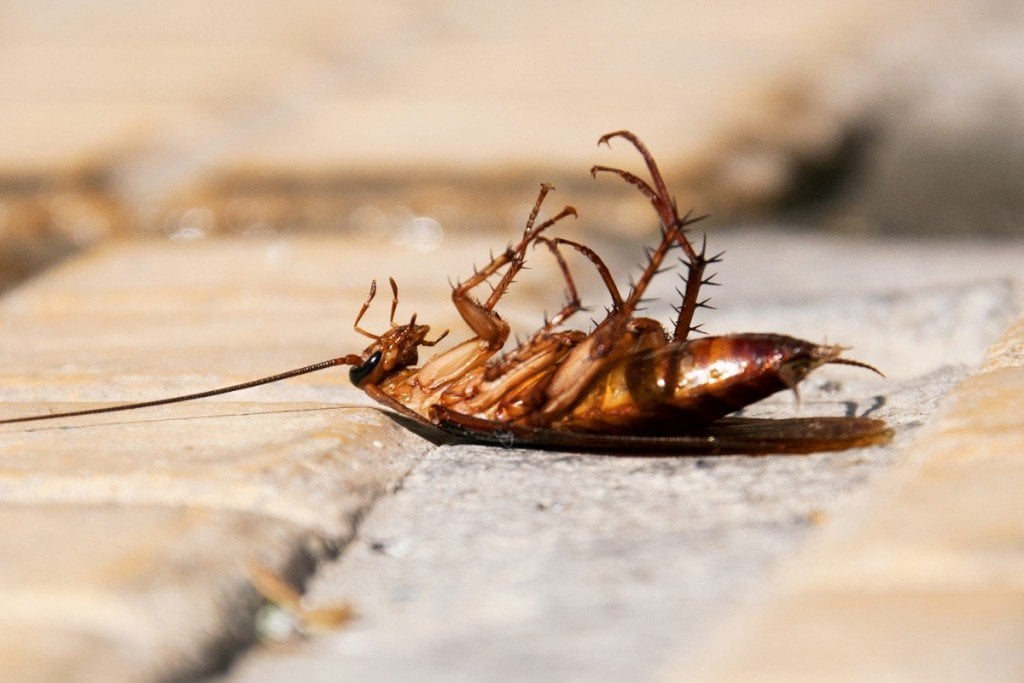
{"points": [[628, 385]]}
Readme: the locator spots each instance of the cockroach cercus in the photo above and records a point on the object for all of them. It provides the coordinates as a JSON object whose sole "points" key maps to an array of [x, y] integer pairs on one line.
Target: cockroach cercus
{"points": [[628, 385]]}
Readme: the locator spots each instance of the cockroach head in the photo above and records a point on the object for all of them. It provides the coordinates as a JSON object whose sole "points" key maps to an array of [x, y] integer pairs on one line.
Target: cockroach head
{"points": [[396, 349]]}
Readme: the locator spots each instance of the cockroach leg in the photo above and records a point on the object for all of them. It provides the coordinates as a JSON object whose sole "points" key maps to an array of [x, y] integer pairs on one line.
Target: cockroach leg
{"points": [[652, 165], [637, 182], [366, 306], [573, 303], [674, 229], [695, 267], [659, 194], [531, 233], [394, 299], [516, 255], [427, 342], [480, 317], [599, 264]]}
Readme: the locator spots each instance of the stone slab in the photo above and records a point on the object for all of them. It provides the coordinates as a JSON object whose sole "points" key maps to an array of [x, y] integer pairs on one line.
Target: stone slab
{"points": [[100, 592]]}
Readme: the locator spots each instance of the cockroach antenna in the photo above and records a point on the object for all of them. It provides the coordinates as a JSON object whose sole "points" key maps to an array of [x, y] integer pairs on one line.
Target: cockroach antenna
{"points": [[351, 359]]}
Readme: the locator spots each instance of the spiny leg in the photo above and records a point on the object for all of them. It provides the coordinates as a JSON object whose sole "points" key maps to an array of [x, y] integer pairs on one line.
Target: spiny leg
{"points": [[599, 264], [518, 259], [481, 318], [512, 254], [652, 166], [658, 194], [572, 306], [666, 216], [674, 232], [695, 267], [573, 303]]}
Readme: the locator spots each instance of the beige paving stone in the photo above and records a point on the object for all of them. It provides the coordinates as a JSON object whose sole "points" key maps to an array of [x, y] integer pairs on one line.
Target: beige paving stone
{"points": [[160, 112], [173, 317], [925, 583], [359, 84], [129, 533], [307, 464], [91, 84], [108, 592]]}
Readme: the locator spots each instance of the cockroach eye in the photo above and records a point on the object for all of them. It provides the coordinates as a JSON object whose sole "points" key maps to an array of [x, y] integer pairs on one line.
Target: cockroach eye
{"points": [[360, 372]]}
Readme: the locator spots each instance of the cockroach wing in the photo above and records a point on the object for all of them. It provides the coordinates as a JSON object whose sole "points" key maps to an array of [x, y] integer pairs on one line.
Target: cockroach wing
{"points": [[730, 435]]}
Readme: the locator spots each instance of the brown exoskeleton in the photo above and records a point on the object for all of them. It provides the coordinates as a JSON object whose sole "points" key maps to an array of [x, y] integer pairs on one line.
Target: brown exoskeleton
{"points": [[628, 385]]}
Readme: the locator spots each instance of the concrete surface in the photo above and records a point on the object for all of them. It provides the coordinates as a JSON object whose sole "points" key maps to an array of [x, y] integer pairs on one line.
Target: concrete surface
{"points": [[463, 562], [923, 583]]}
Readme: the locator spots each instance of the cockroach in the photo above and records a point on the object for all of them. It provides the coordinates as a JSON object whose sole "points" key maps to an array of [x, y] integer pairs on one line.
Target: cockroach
{"points": [[628, 385]]}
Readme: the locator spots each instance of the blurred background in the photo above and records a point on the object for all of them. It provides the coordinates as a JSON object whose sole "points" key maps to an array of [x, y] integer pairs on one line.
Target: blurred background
{"points": [[414, 120]]}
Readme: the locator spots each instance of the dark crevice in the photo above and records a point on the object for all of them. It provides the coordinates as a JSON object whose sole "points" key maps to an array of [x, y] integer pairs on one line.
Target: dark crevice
{"points": [[311, 551], [821, 181]]}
